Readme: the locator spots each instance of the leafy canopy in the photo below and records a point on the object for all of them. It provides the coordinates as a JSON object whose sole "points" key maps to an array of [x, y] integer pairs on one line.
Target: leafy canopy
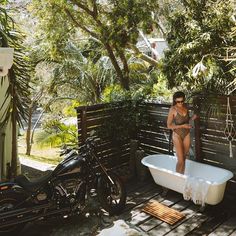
{"points": [[199, 31], [113, 24]]}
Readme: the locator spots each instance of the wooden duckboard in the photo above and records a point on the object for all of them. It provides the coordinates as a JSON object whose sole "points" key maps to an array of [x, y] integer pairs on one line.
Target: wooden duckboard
{"points": [[163, 212]]}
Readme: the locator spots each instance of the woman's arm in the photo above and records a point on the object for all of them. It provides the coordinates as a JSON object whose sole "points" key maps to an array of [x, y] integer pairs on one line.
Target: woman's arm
{"points": [[194, 117]]}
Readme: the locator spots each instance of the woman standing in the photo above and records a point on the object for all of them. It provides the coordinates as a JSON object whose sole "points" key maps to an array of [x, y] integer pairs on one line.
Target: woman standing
{"points": [[178, 120]]}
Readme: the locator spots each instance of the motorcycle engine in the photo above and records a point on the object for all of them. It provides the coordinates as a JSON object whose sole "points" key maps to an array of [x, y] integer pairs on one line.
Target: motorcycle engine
{"points": [[41, 196], [68, 190], [70, 185]]}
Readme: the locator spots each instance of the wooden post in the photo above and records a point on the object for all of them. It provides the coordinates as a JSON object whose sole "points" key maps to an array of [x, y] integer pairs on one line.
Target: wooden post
{"points": [[197, 135], [2, 160], [82, 124], [141, 170], [78, 124], [132, 164], [170, 145], [197, 131]]}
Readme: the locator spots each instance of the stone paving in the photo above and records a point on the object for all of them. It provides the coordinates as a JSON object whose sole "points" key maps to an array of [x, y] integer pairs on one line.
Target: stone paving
{"points": [[77, 225], [121, 228], [81, 225]]}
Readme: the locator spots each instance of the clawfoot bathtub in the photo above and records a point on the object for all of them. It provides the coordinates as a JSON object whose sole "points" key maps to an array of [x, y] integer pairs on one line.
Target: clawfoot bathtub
{"points": [[162, 168]]}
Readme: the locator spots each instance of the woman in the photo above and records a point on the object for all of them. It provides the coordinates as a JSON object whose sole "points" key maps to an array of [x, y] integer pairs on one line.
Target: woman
{"points": [[178, 120]]}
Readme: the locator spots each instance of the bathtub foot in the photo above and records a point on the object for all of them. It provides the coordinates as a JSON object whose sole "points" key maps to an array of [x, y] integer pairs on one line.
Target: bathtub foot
{"points": [[164, 191]]}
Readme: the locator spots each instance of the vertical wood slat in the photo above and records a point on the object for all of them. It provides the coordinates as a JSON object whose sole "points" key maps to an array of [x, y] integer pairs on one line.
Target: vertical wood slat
{"points": [[78, 112], [197, 130], [83, 124], [197, 134]]}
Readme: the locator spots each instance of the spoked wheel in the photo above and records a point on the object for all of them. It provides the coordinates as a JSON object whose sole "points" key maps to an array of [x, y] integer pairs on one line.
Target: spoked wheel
{"points": [[112, 194], [8, 203]]}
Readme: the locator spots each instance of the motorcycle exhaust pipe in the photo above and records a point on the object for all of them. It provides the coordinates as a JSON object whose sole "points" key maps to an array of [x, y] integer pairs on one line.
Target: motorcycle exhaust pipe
{"points": [[19, 212], [32, 218]]}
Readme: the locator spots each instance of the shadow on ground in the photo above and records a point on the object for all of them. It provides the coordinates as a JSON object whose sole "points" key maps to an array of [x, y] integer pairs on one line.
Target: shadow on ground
{"points": [[85, 224]]}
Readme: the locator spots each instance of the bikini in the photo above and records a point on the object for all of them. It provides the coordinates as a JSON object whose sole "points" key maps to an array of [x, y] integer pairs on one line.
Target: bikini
{"points": [[180, 120]]}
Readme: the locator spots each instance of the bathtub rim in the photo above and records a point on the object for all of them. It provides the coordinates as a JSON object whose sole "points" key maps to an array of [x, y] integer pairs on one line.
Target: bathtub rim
{"points": [[222, 180]]}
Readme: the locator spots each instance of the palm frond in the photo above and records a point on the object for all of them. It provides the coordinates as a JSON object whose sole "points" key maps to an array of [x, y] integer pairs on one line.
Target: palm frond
{"points": [[18, 90]]}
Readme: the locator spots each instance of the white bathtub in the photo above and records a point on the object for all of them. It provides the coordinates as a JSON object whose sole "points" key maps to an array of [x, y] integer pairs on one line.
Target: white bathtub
{"points": [[162, 168]]}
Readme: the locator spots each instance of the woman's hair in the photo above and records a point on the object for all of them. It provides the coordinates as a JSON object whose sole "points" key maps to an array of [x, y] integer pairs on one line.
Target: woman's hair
{"points": [[178, 94]]}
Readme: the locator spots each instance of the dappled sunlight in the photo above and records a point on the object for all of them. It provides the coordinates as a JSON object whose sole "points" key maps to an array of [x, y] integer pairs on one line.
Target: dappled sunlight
{"points": [[49, 155], [109, 72]]}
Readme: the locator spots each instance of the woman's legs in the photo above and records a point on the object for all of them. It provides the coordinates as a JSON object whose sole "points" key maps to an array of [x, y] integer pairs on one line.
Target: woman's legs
{"points": [[179, 148], [186, 143]]}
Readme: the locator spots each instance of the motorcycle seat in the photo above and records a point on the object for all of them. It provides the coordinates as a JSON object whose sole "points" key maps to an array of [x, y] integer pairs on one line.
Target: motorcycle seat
{"points": [[32, 185]]}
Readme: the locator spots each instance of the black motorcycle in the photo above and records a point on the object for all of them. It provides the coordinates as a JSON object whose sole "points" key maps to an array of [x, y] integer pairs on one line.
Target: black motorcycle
{"points": [[62, 191]]}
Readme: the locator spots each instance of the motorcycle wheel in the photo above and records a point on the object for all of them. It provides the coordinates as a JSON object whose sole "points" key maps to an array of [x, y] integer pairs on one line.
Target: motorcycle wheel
{"points": [[8, 202], [111, 196]]}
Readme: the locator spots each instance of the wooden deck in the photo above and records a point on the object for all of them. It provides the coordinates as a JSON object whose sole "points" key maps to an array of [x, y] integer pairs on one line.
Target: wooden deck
{"points": [[214, 220], [219, 220]]}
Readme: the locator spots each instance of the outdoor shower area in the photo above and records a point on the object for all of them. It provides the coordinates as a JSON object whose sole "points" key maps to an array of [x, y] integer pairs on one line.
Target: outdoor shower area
{"points": [[118, 124], [129, 131]]}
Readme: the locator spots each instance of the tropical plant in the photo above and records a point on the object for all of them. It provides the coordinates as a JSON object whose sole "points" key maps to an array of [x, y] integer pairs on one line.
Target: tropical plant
{"points": [[55, 133], [123, 125], [82, 74], [16, 99], [89, 77], [35, 98]]}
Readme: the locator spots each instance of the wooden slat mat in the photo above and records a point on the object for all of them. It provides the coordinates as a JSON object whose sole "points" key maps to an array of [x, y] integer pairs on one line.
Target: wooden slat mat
{"points": [[163, 212]]}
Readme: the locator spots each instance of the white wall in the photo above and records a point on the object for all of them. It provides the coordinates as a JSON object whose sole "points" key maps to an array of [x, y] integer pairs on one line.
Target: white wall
{"points": [[5, 132], [159, 45]]}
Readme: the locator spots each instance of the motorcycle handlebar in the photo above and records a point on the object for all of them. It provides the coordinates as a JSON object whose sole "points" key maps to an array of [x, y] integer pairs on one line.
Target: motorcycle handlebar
{"points": [[66, 150], [90, 143]]}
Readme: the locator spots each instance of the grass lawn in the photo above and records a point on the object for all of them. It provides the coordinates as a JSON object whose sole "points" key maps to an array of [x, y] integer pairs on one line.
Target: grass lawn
{"points": [[48, 155]]}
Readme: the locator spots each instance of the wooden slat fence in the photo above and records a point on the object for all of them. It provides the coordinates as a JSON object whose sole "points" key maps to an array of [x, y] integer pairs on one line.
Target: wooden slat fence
{"points": [[152, 132], [214, 144], [111, 149], [148, 123], [153, 135]]}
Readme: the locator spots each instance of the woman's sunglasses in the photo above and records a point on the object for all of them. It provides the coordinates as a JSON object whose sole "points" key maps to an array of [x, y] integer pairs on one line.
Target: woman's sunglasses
{"points": [[180, 101]]}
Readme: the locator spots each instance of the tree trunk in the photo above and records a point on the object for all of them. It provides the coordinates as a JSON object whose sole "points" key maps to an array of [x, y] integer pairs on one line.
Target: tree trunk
{"points": [[35, 125], [28, 132], [123, 79]]}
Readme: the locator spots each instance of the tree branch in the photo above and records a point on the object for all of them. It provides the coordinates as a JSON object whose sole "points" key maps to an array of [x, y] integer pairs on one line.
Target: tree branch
{"points": [[115, 64], [95, 10], [86, 9], [161, 28], [124, 61], [144, 56], [93, 13], [125, 79], [79, 25]]}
